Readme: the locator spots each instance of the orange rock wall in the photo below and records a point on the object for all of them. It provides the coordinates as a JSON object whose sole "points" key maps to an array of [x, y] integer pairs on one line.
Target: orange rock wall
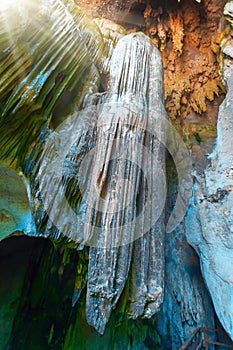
{"points": [[188, 34]]}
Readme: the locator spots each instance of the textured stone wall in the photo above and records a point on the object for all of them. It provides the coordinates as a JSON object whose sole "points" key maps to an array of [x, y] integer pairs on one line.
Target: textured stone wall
{"points": [[209, 224], [188, 34]]}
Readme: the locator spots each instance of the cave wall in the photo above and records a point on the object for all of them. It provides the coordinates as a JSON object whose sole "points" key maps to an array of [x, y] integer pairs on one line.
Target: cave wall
{"points": [[188, 34], [209, 219]]}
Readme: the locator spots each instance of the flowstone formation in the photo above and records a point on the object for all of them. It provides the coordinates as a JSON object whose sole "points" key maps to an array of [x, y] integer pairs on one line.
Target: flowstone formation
{"points": [[136, 78], [209, 225], [120, 209]]}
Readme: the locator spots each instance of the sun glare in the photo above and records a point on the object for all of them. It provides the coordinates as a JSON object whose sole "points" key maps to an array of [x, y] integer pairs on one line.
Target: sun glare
{"points": [[5, 4]]}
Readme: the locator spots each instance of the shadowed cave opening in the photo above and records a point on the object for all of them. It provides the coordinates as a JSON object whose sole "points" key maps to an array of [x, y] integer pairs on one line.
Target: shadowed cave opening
{"points": [[37, 289]]}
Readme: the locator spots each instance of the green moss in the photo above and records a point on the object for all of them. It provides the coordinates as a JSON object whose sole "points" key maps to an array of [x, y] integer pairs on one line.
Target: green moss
{"points": [[64, 242], [42, 317], [51, 335], [66, 256], [51, 65], [121, 331], [197, 137], [120, 334]]}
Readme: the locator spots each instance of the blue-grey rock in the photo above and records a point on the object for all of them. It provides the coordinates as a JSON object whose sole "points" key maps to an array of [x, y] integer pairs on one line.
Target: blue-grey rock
{"points": [[209, 222], [187, 304], [15, 214]]}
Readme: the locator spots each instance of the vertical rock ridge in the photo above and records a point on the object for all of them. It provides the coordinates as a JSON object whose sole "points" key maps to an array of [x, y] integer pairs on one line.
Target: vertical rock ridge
{"points": [[126, 116], [209, 224]]}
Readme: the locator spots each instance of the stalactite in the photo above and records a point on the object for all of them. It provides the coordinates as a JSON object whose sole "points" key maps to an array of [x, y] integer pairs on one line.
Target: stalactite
{"points": [[134, 69], [122, 193]]}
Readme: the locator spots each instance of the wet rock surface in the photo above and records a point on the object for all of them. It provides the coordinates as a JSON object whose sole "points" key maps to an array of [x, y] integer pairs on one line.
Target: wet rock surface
{"points": [[187, 304], [15, 213]]}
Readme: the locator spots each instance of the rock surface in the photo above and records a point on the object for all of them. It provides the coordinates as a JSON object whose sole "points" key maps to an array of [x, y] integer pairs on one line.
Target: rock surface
{"points": [[15, 213], [209, 223], [188, 36], [187, 304]]}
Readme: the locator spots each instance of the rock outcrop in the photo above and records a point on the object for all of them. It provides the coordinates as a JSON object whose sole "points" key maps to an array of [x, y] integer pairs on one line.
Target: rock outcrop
{"points": [[209, 223], [187, 304], [15, 213], [113, 174]]}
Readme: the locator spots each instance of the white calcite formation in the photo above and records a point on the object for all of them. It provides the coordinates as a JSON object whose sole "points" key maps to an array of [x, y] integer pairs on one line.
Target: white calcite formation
{"points": [[128, 120], [114, 152]]}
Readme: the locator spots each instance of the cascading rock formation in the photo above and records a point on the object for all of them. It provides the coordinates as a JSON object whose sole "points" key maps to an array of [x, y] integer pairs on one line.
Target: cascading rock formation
{"points": [[120, 213]]}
